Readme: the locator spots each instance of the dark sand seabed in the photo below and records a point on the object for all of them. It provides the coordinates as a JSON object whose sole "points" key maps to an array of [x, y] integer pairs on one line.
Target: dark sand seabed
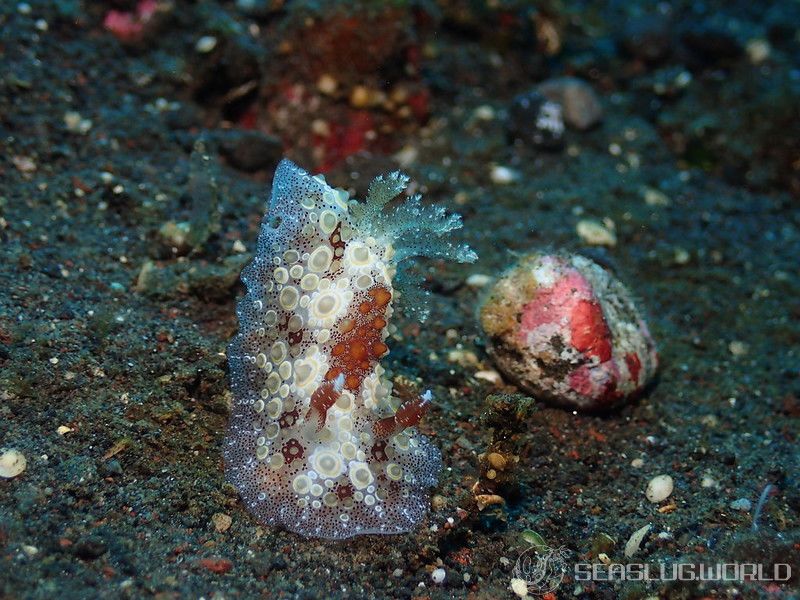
{"points": [[113, 331]]}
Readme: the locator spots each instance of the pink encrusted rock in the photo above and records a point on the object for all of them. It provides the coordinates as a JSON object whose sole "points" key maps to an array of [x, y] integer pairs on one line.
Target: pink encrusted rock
{"points": [[567, 331], [131, 27]]}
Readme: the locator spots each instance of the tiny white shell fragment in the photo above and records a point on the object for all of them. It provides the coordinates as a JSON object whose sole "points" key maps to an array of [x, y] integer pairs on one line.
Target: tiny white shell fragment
{"points": [[635, 541], [519, 587]]}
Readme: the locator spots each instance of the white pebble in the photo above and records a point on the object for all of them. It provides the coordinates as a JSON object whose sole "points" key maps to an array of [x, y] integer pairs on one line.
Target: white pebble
{"points": [[489, 375], [709, 482], [519, 587], [595, 233], [659, 488], [654, 197], [12, 463], [738, 348], [681, 256], [438, 575], [75, 123], [758, 50], [478, 280], [327, 84], [406, 156], [484, 113], [742, 504], [206, 44], [503, 175]]}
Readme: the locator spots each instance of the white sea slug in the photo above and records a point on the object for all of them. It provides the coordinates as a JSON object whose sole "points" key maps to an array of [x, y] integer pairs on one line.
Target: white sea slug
{"points": [[317, 443]]}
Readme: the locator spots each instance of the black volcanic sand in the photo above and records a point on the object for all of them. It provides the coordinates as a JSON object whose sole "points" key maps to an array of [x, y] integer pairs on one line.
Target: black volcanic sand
{"points": [[112, 367]]}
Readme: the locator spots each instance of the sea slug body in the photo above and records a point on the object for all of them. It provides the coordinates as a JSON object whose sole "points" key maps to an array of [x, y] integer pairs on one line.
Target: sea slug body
{"points": [[317, 442]]}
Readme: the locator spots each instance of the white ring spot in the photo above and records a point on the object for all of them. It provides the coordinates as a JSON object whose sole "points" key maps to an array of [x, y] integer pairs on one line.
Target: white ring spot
{"points": [[274, 408], [320, 259], [328, 464], [360, 475], [273, 382], [285, 370], [281, 275], [309, 282], [394, 471], [301, 484], [278, 352], [328, 221], [349, 450], [289, 297]]}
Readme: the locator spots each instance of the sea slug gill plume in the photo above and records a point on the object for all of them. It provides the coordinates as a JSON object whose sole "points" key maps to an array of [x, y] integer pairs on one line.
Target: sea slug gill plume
{"points": [[317, 443]]}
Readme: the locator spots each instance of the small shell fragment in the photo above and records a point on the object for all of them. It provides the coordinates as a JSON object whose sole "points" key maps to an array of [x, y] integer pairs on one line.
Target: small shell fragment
{"points": [[12, 463], [635, 541], [484, 500]]}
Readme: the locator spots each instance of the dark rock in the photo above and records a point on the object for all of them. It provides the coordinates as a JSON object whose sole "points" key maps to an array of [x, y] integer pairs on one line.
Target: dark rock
{"points": [[780, 33], [711, 45], [111, 468], [647, 38], [537, 121], [266, 562], [227, 67], [214, 282], [185, 116], [251, 151], [580, 105], [259, 8], [89, 548], [52, 271]]}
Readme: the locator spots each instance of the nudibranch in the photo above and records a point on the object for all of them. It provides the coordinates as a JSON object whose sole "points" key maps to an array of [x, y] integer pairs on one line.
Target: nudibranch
{"points": [[317, 442]]}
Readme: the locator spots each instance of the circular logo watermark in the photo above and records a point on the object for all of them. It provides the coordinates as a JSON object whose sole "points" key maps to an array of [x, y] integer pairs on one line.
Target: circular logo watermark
{"points": [[541, 568]]}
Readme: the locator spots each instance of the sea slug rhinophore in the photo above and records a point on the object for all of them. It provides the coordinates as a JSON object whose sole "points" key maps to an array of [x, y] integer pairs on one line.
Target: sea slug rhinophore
{"points": [[567, 331], [317, 442]]}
